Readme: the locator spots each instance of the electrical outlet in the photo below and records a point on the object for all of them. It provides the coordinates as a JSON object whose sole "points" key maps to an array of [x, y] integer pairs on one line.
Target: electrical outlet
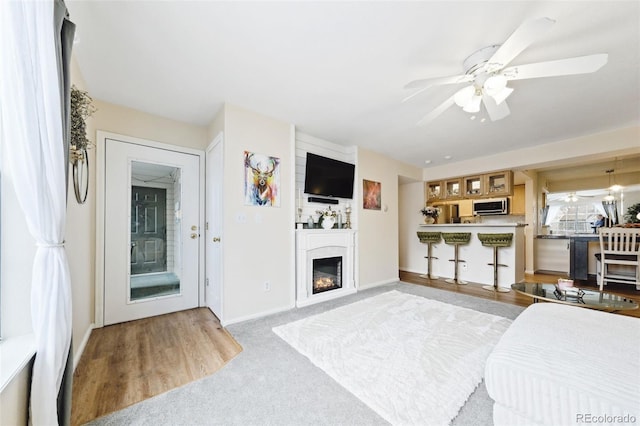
{"points": [[267, 285], [464, 266]]}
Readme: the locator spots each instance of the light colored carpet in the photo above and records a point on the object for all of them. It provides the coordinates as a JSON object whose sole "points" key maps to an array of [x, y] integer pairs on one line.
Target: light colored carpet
{"points": [[412, 360], [270, 383]]}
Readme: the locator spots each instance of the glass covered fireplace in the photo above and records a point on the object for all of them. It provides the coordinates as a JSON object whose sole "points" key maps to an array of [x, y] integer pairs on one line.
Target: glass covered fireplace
{"points": [[327, 274]]}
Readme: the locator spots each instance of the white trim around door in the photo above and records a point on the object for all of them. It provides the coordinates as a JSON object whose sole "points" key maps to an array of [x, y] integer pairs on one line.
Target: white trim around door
{"points": [[101, 177]]}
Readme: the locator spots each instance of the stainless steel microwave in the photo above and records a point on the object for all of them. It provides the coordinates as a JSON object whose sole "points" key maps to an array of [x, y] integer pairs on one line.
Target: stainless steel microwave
{"points": [[491, 206]]}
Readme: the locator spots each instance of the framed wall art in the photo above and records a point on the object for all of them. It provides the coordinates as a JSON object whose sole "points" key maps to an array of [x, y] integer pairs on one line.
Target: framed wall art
{"points": [[261, 180], [371, 195]]}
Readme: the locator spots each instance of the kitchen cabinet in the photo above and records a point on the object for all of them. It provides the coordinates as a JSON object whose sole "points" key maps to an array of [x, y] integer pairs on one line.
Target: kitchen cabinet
{"points": [[499, 184], [552, 255], [489, 185], [473, 186], [452, 188], [518, 201], [434, 191], [465, 208]]}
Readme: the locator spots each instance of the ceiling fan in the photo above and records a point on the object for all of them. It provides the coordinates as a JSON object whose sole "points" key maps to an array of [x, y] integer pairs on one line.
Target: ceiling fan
{"points": [[487, 71]]}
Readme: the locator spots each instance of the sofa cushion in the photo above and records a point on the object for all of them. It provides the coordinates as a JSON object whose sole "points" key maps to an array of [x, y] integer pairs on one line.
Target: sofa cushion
{"points": [[556, 363]]}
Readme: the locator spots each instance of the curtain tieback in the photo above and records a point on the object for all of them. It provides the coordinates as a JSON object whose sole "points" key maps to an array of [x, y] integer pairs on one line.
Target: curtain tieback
{"points": [[47, 245]]}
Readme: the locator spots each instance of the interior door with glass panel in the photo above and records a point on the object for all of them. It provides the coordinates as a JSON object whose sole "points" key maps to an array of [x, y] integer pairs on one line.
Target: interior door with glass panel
{"points": [[151, 231]]}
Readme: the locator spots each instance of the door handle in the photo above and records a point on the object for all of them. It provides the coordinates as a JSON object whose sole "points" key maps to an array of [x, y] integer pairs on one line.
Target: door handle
{"points": [[194, 235], [216, 239]]}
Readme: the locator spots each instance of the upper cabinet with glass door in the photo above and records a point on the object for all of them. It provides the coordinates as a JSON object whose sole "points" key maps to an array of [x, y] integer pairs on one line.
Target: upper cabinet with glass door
{"points": [[453, 188], [499, 183], [473, 186], [434, 191]]}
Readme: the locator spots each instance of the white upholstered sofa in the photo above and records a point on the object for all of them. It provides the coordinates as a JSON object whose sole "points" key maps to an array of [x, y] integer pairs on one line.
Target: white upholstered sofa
{"points": [[566, 365]]}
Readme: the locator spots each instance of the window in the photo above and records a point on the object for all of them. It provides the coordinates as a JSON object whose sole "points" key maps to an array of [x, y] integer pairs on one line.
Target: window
{"points": [[576, 212], [573, 217]]}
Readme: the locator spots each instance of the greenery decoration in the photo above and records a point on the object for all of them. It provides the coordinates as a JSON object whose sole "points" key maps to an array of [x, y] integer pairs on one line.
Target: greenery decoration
{"points": [[632, 214], [81, 109]]}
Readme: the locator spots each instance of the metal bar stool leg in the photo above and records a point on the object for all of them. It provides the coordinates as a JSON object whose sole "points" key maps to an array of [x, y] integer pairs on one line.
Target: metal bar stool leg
{"points": [[429, 256], [456, 260], [495, 264], [429, 238], [455, 239]]}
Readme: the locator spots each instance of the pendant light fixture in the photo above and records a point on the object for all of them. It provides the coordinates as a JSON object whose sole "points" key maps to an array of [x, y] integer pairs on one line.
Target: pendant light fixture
{"points": [[609, 197]]}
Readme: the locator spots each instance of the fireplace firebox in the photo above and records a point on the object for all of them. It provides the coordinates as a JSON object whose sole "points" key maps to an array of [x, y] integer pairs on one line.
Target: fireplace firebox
{"points": [[327, 274], [325, 265]]}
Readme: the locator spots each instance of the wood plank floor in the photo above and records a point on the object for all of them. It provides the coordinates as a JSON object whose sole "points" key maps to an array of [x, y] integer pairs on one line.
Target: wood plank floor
{"points": [[126, 363], [517, 298]]}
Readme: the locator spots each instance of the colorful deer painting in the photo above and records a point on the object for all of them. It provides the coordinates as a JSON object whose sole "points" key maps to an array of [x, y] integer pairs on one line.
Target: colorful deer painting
{"points": [[262, 180]]}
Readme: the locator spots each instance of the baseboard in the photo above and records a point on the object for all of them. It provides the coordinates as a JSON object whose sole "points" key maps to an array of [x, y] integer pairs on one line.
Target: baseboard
{"points": [[413, 271], [258, 315], [83, 344], [378, 283]]}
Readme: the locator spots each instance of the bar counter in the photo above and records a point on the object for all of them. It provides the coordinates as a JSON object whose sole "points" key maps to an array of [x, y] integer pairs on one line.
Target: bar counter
{"points": [[475, 269]]}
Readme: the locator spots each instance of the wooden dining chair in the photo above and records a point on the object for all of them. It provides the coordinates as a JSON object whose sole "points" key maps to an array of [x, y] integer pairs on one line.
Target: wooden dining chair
{"points": [[618, 258]]}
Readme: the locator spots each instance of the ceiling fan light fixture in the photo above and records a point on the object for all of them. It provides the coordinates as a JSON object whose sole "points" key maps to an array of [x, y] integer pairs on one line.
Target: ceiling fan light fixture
{"points": [[495, 84], [571, 197], [473, 105], [463, 96]]}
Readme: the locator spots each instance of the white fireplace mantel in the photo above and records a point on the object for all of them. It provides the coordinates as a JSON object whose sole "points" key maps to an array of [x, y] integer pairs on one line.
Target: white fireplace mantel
{"points": [[316, 244]]}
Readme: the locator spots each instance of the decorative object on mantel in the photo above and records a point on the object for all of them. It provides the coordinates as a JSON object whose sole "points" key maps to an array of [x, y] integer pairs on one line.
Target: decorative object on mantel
{"points": [[347, 212], [327, 218], [430, 214], [81, 109]]}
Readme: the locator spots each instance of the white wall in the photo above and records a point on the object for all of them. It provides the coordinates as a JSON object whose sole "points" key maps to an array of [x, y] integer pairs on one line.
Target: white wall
{"points": [[258, 241], [80, 245], [378, 233], [412, 251]]}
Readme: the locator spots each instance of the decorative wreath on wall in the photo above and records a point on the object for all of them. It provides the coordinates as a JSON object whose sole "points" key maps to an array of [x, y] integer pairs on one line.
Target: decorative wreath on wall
{"points": [[81, 109]]}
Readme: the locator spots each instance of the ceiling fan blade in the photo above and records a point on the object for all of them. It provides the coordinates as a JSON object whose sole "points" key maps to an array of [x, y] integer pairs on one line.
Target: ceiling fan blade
{"points": [[569, 66], [496, 111], [430, 82], [522, 37], [426, 83], [436, 112]]}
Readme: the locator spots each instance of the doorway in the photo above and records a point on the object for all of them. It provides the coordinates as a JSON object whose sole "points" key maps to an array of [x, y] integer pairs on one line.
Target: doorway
{"points": [[152, 216]]}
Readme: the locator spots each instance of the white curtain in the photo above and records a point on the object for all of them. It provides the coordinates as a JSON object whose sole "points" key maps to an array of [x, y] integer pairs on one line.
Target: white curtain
{"points": [[32, 138]]}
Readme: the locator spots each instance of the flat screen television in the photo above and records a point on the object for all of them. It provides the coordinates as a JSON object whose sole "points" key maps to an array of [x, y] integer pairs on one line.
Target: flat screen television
{"points": [[328, 177]]}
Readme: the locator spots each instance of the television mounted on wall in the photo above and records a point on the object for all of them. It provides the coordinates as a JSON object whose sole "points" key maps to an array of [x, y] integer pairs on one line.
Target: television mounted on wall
{"points": [[328, 177]]}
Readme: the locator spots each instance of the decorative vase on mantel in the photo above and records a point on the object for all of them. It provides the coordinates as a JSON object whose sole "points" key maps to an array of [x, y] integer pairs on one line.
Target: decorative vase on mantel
{"points": [[328, 222], [429, 220]]}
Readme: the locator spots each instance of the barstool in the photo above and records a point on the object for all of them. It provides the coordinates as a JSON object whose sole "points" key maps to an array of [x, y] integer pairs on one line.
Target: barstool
{"points": [[496, 241], [429, 238], [455, 239]]}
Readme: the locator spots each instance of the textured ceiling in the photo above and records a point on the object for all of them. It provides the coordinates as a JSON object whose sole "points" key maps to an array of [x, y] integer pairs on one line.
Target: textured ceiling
{"points": [[336, 70]]}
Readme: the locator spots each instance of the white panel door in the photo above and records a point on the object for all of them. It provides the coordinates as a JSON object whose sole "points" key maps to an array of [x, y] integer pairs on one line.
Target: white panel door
{"points": [[214, 240], [151, 247]]}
